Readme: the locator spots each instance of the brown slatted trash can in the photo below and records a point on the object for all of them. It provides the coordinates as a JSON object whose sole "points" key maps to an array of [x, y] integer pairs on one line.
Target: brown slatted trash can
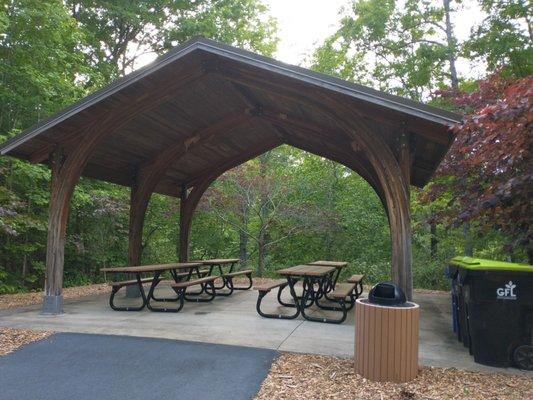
{"points": [[386, 341]]}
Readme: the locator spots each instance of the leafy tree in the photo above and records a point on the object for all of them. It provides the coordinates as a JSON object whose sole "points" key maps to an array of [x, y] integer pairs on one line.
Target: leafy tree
{"points": [[409, 50], [119, 32], [40, 61], [504, 38], [264, 203], [488, 172]]}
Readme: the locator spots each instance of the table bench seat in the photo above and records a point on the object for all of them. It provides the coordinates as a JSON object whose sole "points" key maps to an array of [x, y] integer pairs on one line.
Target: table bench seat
{"points": [[193, 282], [267, 287], [342, 290], [180, 288], [264, 289], [228, 279], [237, 273], [131, 282], [358, 280]]}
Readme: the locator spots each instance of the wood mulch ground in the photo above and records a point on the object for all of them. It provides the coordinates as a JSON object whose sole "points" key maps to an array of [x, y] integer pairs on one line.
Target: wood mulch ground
{"points": [[11, 339], [301, 376]]}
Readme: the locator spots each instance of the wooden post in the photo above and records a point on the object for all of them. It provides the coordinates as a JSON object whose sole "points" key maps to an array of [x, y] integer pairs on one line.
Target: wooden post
{"points": [[185, 225], [55, 247], [391, 172], [189, 202], [138, 206], [137, 213], [66, 170]]}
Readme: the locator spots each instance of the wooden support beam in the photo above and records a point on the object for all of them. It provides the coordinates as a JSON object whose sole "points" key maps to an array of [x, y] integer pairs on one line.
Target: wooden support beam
{"points": [[150, 174], [190, 200], [185, 226], [67, 166], [395, 186], [137, 212], [306, 94]]}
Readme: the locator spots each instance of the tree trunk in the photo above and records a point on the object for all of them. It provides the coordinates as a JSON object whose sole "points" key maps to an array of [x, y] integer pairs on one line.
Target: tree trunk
{"points": [[261, 254], [452, 45], [469, 250], [434, 240], [330, 204], [263, 214], [530, 251], [243, 237]]}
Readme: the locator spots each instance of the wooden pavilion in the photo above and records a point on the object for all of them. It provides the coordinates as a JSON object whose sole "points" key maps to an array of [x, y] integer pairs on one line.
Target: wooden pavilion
{"points": [[177, 124]]}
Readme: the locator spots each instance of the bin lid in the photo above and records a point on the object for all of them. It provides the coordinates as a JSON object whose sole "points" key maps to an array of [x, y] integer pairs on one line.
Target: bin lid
{"points": [[482, 264]]}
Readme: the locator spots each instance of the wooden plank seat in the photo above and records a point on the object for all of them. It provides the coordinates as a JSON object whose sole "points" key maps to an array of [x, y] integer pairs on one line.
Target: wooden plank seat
{"points": [[207, 284], [229, 279], [264, 289], [130, 282], [117, 285], [342, 290], [358, 280]]}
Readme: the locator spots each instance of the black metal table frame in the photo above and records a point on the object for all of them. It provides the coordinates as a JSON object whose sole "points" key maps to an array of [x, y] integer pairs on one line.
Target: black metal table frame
{"points": [[155, 281], [227, 283], [181, 295], [314, 289]]}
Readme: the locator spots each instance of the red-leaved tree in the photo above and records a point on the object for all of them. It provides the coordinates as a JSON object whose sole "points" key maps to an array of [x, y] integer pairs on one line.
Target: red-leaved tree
{"points": [[488, 172]]}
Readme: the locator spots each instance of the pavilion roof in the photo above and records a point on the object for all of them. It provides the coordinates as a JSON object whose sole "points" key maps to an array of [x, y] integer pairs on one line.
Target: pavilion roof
{"points": [[225, 106]]}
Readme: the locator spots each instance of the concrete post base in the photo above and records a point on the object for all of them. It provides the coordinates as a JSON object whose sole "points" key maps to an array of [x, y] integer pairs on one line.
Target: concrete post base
{"points": [[53, 305]]}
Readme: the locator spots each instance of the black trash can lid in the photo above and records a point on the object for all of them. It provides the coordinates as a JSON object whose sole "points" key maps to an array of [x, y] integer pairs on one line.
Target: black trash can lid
{"points": [[387, 293]]}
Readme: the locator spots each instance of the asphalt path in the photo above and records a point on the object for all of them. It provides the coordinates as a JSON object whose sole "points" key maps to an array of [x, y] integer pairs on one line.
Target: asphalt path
{"points": [[80, 366]]}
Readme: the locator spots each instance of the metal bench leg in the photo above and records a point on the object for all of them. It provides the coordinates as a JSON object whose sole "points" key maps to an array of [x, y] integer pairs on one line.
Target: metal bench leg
{"points": [[342, 308], [208, 288], [276, 316], [189, 277], [151, 292], [249, 286], [285, 304], [114, 291], [180, 295], [280, 301], [228, 283], [359, 289]]}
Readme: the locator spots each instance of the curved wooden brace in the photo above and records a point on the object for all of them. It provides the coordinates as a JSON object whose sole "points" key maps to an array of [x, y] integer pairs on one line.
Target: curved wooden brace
{"points": [[394, 185], [67, 167], [189, 202], [393, 174], [151, 173]]}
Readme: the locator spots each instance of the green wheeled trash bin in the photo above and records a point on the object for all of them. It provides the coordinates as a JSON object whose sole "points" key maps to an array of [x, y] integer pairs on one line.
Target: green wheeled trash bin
{"points": [[495, 311]]}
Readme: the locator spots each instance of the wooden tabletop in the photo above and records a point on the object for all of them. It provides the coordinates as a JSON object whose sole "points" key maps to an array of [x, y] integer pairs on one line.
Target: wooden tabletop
{"points": [[306, 270], [336, 264], [219, 261], [152, 268]]}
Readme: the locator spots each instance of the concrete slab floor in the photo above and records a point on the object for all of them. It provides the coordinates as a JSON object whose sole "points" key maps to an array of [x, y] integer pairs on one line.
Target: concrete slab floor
{"points": [[233, 320]]}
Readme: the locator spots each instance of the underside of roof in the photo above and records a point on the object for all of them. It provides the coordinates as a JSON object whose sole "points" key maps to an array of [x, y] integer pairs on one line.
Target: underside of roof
{"points": [[226, 106]]}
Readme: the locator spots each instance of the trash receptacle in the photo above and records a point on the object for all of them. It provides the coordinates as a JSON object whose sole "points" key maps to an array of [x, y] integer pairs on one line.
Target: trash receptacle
{"points": [[495, 309], [386, 335]]}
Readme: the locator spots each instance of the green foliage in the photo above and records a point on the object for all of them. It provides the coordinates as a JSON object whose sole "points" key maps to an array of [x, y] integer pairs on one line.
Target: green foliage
{"points": [[504, 38], [40, 61], [119, 32], [406, 49]]}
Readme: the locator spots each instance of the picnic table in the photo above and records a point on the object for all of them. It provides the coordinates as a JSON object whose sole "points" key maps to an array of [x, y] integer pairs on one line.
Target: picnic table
{"points": [[227, 264], [179, 272], [316, 279], [339, 265]]}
